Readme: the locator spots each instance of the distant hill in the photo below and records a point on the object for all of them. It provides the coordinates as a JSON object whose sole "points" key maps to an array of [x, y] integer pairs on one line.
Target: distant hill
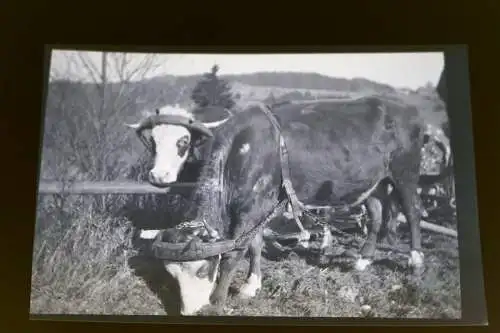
{"points": [[176, 89], [311, 81], [291, 80], [260, 85], [264, 86]]}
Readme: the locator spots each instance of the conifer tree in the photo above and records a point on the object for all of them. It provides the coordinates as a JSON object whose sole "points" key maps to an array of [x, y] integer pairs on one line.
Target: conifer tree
{"points": [[213, 91]]}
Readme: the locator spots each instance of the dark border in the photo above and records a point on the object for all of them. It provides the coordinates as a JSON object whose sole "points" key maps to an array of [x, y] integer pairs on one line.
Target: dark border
{"points": [[462, 145], [458, 105]]}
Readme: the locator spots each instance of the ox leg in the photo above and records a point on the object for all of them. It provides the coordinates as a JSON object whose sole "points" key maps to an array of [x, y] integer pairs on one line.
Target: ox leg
{"points": [[410, 205], [374, 207], [228, 267], [390, 213], [254, 279]]}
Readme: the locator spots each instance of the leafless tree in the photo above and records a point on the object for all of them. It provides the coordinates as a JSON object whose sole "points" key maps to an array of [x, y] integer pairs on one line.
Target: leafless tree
{"points": [[85, 120]]}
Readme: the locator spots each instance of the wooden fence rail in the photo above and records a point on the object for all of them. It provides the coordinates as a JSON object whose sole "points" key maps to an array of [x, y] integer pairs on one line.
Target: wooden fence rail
{"points": [[115, 187], [130, 187]]}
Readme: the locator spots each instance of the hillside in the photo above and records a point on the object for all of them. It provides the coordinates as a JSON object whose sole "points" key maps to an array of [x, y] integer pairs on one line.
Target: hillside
{"points": [[260, 85], [280, 86], [290, 80]]}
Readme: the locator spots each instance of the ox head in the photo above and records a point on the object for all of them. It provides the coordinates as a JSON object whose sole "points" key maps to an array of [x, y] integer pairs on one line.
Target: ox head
{"points": [[174, 132], [191, 254]]}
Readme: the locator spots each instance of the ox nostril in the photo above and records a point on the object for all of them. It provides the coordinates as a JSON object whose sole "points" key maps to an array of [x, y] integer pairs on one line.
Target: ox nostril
{"points": [[156, 176]]}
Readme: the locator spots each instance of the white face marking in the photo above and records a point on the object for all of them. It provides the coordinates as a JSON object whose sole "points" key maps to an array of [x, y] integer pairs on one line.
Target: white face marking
{"points": [[416, 259], [171, 143], [195, 283], [244, 149], [251, 286]]}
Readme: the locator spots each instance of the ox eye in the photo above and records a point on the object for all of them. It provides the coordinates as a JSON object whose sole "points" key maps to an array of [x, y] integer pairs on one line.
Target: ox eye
{"points": [[183, 145], [183, 142]]}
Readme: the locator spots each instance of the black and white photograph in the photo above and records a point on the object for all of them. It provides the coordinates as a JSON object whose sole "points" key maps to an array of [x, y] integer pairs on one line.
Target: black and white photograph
{"points": [[295, 185]]}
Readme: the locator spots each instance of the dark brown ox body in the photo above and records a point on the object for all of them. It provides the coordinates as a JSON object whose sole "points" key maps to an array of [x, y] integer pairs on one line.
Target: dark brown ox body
{"points": [[339, 154]]}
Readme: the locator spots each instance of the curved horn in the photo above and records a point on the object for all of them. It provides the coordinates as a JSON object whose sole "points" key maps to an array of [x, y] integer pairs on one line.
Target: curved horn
{"points": [[201, 128], [189, 251], [215, 123], [134, 126], [140, 125]]}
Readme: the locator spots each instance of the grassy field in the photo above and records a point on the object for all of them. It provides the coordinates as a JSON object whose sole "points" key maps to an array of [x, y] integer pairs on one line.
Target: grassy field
{"points": [[87, 263]]}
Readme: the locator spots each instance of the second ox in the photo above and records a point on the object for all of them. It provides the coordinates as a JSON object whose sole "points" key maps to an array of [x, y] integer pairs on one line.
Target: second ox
{"points": [[338, 152]]}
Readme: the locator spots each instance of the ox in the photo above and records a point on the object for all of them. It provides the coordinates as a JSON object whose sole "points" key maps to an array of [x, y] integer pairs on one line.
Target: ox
{"points": [[338, 152]]}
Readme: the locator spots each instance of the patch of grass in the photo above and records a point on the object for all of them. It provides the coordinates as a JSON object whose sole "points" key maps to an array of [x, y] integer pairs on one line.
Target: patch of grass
{"points": [[84, 268], [294, 288]]}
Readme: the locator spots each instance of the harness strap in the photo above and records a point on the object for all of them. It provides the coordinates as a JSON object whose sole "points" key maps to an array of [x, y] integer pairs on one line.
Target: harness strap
{"points": [[298, 208], [242, 241], [296, 205]]}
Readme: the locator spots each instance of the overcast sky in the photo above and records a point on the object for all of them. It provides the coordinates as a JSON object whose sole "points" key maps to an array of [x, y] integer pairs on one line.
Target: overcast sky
{"points": [[410, 70]]}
